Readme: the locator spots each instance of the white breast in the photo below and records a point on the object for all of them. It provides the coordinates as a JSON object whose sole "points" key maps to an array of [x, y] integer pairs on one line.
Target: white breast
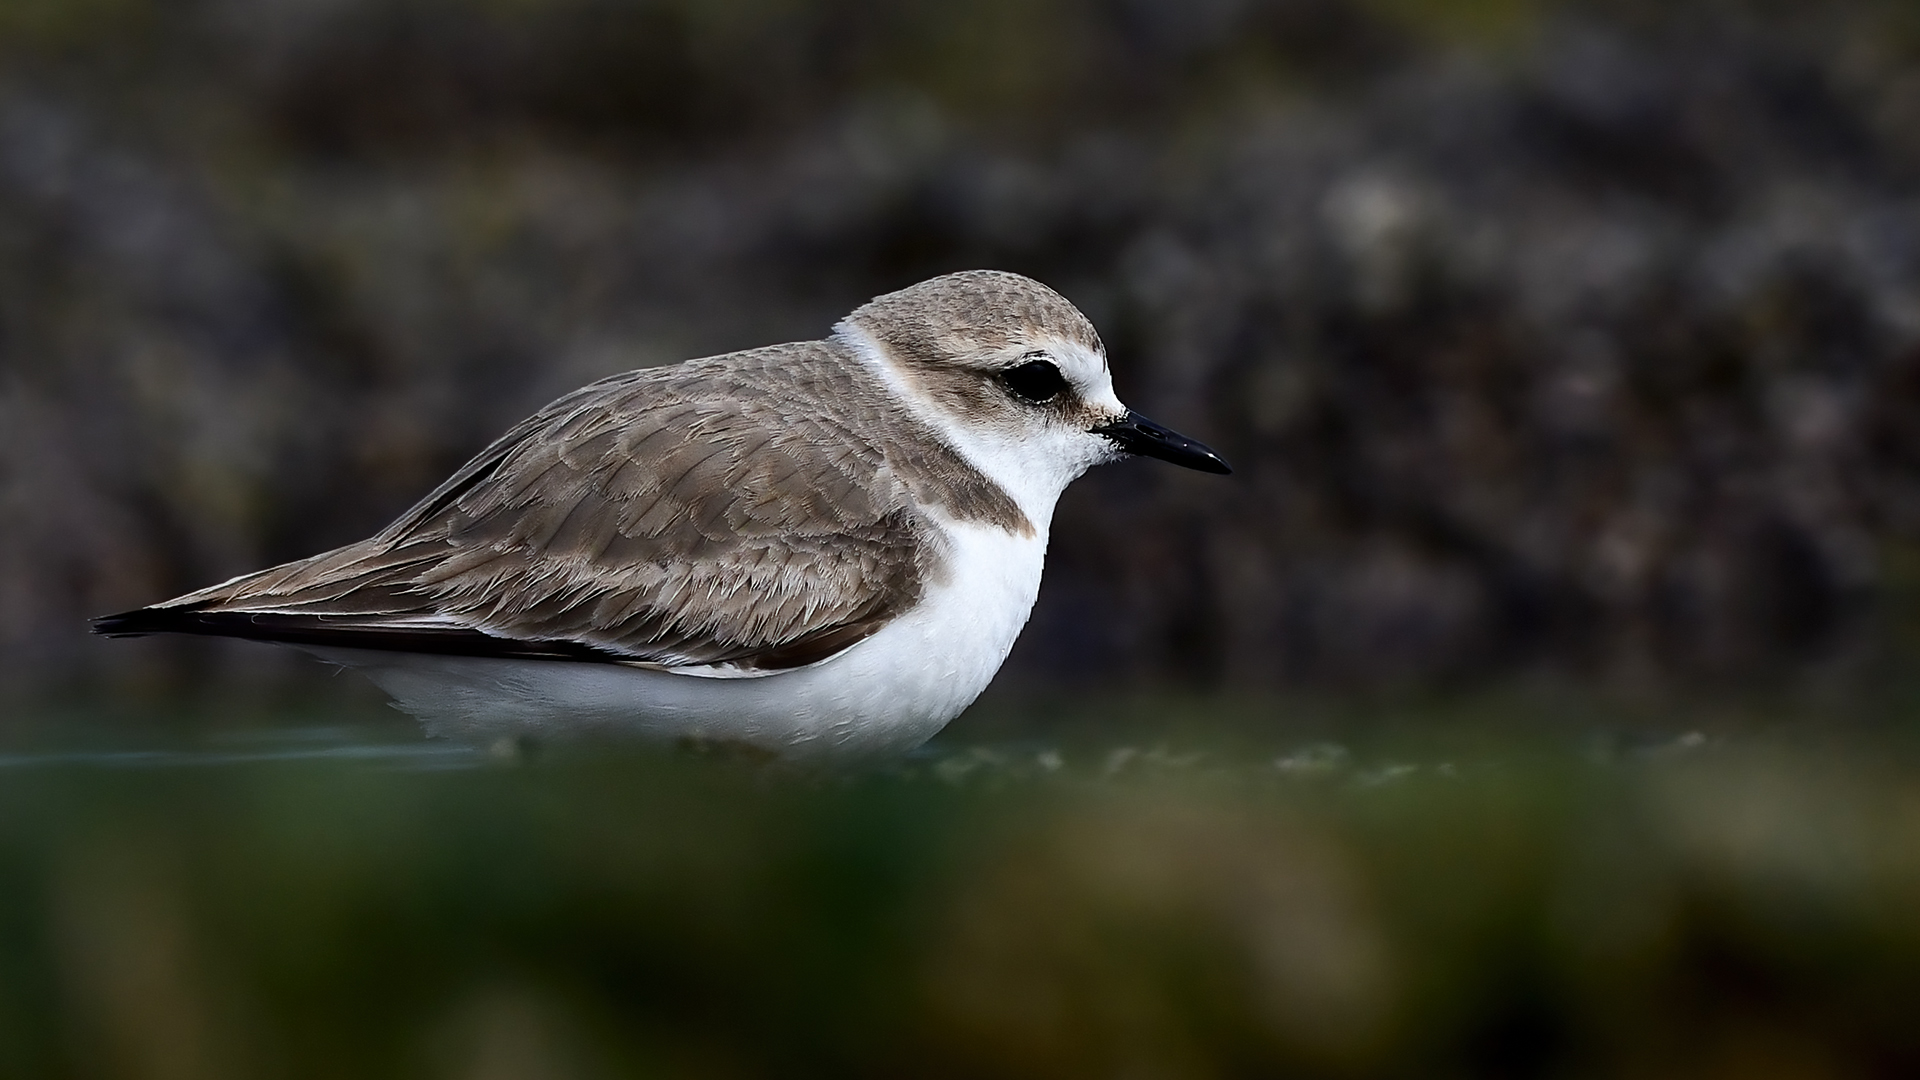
{"points": [[885, 695]]}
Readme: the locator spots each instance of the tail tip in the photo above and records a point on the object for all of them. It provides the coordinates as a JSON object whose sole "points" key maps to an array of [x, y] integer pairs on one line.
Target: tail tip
{"points": [[136, 623]]}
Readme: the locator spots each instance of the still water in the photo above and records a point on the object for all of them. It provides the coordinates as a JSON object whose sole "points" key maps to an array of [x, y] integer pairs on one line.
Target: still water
{"points": [[233, 891]]}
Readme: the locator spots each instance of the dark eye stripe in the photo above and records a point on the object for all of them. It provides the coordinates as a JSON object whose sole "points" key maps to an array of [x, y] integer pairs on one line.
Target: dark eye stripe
{"points": [[1035, 381]]}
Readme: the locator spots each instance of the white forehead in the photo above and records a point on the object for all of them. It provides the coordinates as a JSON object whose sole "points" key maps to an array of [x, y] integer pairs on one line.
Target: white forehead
{"points": [[1077, 362], [1084, 368]]}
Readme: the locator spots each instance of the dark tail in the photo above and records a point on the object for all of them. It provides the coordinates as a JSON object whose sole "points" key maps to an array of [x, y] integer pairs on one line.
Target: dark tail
{"points": [[342, 631], [153, 620]]}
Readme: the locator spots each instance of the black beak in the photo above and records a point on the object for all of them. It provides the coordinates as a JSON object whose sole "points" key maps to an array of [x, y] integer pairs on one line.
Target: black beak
{"points": [[1138, 435]]}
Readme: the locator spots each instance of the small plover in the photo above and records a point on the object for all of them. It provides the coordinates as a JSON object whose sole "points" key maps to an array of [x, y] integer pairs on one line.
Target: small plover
{"points": [[820, 547]]}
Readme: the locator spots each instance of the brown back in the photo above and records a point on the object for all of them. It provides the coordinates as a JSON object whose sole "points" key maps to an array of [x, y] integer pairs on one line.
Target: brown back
{"points": [[755, 509]]}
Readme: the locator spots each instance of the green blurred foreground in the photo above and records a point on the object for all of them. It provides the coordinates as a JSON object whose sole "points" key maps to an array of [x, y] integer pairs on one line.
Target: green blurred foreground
{"points": [[1695, 910]]}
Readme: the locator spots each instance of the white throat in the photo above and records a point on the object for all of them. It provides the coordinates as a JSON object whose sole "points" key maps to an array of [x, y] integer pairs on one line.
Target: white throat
{"points": [[1032, 476]]}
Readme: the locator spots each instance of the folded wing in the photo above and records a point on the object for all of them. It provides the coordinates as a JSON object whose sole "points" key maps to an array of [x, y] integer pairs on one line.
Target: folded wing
{"points": [[733, 512]]}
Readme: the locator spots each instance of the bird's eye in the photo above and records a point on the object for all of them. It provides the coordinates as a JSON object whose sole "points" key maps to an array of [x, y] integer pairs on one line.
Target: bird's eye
{"points": [[1035, 380]]}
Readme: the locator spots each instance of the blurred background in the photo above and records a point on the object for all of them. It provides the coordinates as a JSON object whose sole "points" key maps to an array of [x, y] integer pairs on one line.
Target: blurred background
{"points": [[1567, 338], [1499, 717]]}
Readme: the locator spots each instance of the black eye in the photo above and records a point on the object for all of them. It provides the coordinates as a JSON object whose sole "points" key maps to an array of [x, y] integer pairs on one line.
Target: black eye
{"points": [[1035, 380]]}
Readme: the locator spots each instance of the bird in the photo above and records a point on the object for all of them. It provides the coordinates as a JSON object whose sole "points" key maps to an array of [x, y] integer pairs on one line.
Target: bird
{"points": [[816, 549]]}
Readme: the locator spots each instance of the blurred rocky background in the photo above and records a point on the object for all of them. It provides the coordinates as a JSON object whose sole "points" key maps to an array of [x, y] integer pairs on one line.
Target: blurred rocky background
{"points": [[1566, 338]]}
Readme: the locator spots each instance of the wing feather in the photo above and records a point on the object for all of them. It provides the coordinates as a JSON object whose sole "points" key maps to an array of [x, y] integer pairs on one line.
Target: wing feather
{"points": [[760, 510]]}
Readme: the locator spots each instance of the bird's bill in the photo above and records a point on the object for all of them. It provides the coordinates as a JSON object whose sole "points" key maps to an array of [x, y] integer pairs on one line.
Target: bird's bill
{"points": [[1138, 435]]}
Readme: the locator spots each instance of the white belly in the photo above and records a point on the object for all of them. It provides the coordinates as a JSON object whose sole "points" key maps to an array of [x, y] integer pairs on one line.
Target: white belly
{"points": [[885, 695]]}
